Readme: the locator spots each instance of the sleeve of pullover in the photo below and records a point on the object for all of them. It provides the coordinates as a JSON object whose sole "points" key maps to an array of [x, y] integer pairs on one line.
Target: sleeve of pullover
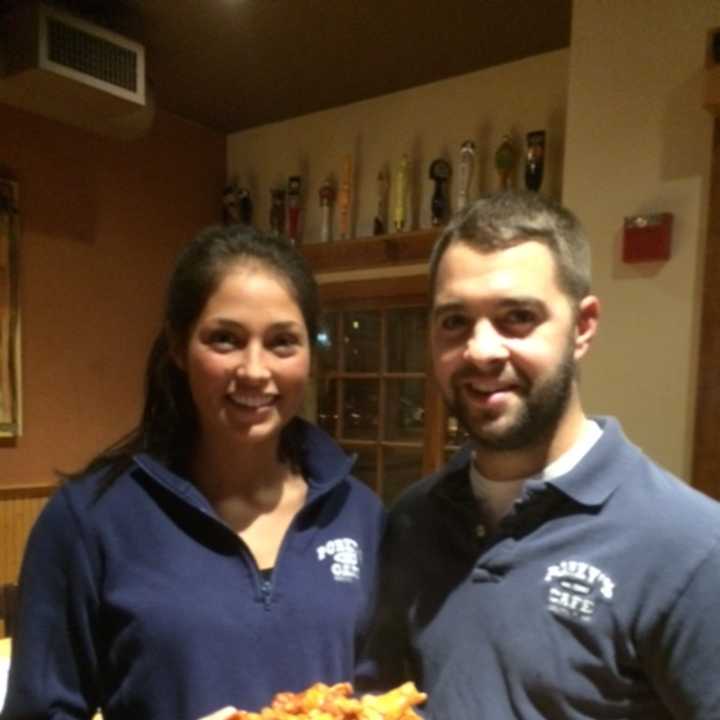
{"points": [[54, 669]]}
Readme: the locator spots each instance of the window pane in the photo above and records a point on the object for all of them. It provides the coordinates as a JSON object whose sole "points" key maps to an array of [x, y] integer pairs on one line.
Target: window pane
{"points": [[448, 453], [362, 341], [327, 405], [406, 339], [456, 433], [327, 347], [404, 409], [365, 467], [360, 409], [401, 467]]}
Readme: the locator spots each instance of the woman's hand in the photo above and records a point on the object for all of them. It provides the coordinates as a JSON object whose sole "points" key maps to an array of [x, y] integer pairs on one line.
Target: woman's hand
{"points": [[226, 713]]}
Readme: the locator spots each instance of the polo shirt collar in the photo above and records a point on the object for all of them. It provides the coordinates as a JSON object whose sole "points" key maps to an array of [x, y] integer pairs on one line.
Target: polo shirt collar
{"points": [[599, 473], [590, 483]]}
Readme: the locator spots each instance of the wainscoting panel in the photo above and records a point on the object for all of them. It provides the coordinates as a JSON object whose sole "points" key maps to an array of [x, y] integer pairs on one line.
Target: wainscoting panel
{"points": [[19, 507]]}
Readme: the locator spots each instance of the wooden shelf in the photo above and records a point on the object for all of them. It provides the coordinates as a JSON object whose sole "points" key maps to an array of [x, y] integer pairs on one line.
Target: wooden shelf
{"points": [[381, 251]]}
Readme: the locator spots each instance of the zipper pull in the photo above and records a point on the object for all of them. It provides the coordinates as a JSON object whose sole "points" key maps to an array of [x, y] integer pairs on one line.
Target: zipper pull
{"points": [[266, 592]]}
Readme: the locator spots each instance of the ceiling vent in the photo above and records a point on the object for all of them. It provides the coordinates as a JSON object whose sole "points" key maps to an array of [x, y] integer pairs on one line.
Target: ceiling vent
{"points": [[69, 69]]}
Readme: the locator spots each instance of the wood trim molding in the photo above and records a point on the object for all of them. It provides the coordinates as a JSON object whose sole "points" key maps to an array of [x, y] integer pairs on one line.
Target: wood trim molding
{"points": [[381, 251], [416, 287], [706, 449], [711, 93], [16, 492]]}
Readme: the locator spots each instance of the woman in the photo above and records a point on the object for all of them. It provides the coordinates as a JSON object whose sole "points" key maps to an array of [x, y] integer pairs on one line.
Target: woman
{"points": [[221, 552]]}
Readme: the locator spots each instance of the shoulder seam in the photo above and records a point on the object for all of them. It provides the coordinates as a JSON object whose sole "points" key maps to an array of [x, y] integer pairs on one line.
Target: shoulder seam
{"points": [[714, 546]]}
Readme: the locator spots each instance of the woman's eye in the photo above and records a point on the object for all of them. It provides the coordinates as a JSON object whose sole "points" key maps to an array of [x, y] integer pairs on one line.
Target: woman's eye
{"points": [[285, 344], [223, 340]]}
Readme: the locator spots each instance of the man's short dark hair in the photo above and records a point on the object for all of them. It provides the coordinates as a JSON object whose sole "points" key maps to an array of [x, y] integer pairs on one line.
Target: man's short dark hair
{"points": [[498, 221]]}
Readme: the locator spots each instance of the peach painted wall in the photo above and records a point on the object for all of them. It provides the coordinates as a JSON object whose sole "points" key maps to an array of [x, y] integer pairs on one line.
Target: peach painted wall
{"points": [[638, 141], [102, 221]]}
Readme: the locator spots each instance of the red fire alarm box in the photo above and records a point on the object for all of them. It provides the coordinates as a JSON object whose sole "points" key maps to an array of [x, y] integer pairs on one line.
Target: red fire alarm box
{"points": [[646, 238]]}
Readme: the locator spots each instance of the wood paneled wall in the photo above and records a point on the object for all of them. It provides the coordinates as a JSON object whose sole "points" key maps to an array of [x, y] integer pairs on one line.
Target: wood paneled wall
{"points": [[19, 507]]}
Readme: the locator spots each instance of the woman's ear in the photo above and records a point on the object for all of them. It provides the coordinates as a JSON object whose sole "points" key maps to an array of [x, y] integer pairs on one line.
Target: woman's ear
{"points": [[176, 350], [586, 324]]}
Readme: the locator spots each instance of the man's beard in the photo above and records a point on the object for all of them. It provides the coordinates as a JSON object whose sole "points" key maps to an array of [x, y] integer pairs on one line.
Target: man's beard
{"points": [[538, 417]]}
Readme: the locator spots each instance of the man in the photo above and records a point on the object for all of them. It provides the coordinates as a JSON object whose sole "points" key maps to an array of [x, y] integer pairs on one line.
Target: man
{"points": [[550, 570]]}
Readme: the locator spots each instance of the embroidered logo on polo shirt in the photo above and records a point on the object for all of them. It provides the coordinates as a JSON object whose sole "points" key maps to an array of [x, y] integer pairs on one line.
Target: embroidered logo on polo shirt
{"points": [[575, 588], [345, 557]]}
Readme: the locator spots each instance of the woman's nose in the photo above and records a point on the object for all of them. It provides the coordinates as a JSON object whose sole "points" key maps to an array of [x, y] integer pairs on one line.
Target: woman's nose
{"points": [[252, 365]]}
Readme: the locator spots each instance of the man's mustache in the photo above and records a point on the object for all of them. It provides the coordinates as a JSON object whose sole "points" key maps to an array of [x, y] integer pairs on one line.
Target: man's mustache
{"points": [[470, 373]]}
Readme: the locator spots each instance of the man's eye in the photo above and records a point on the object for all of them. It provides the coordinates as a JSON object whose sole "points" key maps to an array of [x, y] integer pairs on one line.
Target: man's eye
{"points": [[453, 322], [520, 320]]}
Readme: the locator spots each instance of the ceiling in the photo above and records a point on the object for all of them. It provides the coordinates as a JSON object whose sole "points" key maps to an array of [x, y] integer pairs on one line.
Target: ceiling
{"points": [[235, 64]]}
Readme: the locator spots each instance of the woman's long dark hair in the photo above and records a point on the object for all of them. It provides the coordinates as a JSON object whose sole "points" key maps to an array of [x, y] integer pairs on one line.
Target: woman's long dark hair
{"points": [[168, 424]]}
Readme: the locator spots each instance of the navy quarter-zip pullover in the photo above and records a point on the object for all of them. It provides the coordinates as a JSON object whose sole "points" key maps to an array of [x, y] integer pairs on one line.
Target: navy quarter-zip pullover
{"points": [[138, 599]]}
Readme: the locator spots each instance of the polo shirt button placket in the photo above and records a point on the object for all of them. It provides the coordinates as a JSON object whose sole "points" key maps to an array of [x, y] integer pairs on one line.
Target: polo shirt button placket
{"points": [[497, 558], [480, 573]]}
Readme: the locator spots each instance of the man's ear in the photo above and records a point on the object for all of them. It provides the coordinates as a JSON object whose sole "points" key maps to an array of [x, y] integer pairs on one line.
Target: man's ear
{"points": [[586, 324]]}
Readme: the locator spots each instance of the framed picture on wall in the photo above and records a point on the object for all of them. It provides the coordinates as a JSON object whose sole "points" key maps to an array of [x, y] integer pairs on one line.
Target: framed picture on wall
{"points": [[10, 399]]}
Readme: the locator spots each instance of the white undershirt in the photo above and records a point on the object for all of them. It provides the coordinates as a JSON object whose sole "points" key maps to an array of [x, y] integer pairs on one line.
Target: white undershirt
{"points": [[498, 496]]}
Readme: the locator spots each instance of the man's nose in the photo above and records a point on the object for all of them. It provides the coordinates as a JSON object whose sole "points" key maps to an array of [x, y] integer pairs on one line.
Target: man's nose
{"points": [[486, 344]]}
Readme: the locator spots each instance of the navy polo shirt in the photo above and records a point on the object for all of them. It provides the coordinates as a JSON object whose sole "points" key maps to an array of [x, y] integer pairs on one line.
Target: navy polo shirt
{"points": [[598, 597]]}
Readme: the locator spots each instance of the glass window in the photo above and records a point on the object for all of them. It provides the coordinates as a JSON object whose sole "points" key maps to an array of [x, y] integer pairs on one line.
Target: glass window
{"points": [[362, 346], [404, 409], [380, 415], [360, 404], [456, 434], [406, 340], [401, 467], [326, 343], [327, 405], [365, 467]]}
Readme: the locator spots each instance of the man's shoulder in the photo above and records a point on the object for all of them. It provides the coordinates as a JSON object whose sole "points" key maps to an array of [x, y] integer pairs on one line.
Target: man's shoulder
{"points": [[671, 500], [656, 504], [647, 478]]}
